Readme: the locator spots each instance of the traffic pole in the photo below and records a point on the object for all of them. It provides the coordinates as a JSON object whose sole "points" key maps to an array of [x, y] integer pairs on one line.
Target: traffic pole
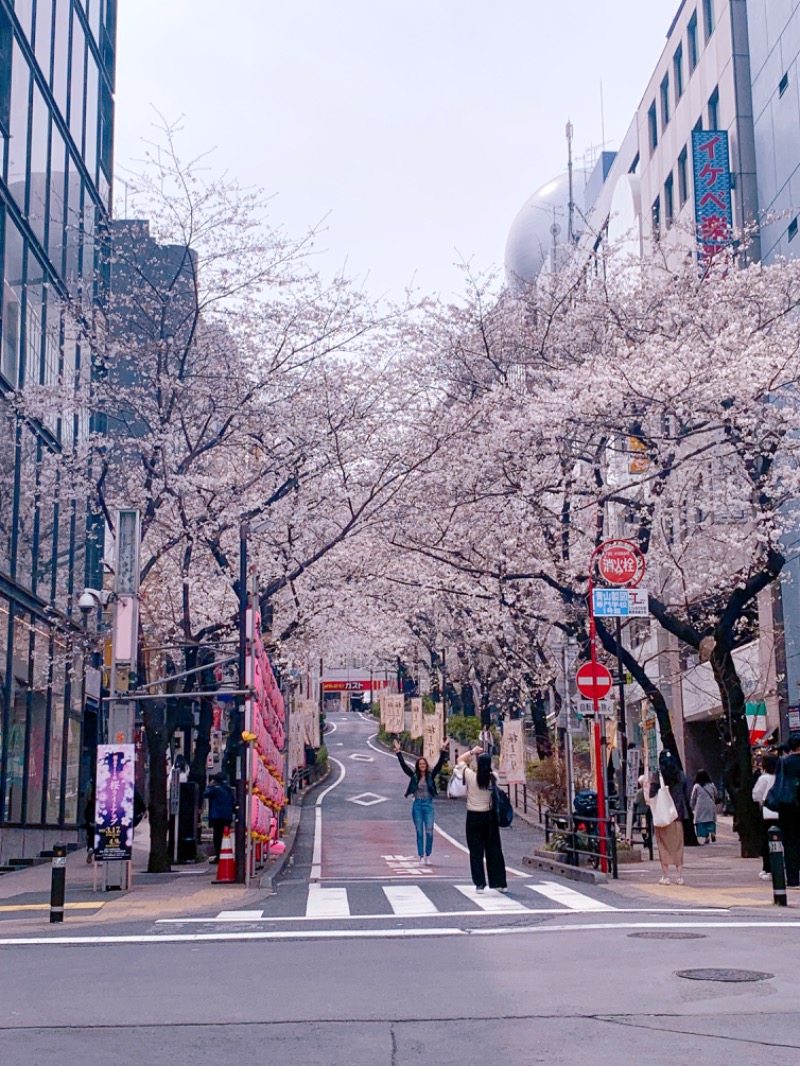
{"points": [[58, 882], [777, 866], [599, 732]]}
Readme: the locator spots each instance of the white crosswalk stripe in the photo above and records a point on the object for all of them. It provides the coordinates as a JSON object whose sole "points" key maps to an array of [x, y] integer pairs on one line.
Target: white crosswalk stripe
{"points": [[568, 897], [409, 900], [489, 900], [327, 902]]}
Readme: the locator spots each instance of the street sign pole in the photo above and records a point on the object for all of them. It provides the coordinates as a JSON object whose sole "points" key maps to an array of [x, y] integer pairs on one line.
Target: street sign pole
{"points": [[598, 730]]}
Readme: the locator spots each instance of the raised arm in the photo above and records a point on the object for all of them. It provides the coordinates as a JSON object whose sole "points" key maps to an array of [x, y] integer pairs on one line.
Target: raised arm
{"points": [[408, 772], [442, 757], [468, 755]]}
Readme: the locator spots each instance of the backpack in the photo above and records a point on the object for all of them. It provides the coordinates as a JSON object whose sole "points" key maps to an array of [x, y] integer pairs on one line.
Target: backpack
{"points": [[501, 805]]}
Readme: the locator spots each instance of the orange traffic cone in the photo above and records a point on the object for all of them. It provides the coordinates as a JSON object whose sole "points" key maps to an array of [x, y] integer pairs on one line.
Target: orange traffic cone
{"points": [[226, 867]]}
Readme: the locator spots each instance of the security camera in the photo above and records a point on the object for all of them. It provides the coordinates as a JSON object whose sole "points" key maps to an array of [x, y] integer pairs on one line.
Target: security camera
{"points": [[91, 599]]}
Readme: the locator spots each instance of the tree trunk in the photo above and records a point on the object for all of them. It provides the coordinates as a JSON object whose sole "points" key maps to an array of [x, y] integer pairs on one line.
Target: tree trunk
{"points": [[202, 746], [738, 764], [157, 734]]}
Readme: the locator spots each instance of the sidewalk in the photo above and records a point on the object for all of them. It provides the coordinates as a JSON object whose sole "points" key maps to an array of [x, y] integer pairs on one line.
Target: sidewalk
{"points": [[25, 895]]}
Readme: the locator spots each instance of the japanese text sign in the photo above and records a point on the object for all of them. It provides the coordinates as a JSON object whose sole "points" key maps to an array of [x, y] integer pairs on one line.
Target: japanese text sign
{"points": [[712, 191]]}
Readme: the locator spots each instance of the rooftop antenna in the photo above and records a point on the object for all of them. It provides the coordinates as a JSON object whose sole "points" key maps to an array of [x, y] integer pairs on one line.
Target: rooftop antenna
{"points": [[571, 215]]}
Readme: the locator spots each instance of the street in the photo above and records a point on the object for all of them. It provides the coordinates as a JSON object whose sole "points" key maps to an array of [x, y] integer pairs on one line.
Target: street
{"points": [[360, 957]]}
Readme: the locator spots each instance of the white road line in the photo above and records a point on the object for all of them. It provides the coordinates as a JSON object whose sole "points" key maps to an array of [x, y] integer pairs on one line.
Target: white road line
{"points": [[380, 751], [489, 900], [462, 847], [408, 900], [327, 902], [330, 727], [575, 901], [238, 916], [316, 854], [378, 934]]}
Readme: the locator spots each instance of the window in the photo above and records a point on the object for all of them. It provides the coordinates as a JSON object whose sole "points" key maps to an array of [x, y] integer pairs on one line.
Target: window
{"points": [[677, 70], [683, 171], [656, 215], [652, 126], [792, 231], [664, 101], [669, 200], [698, 126], [783, 85], [713, 110], [5, 68], [634, 165], [691, 41], [708, 18]]}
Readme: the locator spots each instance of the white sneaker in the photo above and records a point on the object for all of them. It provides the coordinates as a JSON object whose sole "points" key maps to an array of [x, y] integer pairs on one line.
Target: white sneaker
{"points": [[663, 880], [680, 881], [764, 875]]}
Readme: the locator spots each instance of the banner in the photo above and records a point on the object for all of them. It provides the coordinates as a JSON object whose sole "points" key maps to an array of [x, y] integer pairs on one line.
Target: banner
{"points": [[712, 192], [393, 712], [113, 808], [512, 752], [416, 717], [432, 735]]}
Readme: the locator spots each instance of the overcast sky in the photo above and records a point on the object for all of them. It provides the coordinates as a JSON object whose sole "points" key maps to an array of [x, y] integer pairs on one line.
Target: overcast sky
{"points": [[417, 128]]}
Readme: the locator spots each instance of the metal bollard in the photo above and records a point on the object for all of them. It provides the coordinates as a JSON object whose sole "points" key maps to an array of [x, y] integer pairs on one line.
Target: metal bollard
{"points": [[58, 882], [777, 867]]}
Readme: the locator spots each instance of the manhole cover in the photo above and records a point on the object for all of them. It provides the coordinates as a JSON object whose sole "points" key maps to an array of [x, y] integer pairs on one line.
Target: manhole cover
{"points": [[667, 936], [734, 976]]}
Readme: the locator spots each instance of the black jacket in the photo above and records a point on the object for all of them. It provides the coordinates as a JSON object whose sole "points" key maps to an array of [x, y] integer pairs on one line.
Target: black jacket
{"points": [[221, 801], [429, 777]]}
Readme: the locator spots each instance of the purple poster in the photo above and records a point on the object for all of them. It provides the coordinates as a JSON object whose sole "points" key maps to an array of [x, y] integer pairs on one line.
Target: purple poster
{"points": [[113, 831], [712, 192]]}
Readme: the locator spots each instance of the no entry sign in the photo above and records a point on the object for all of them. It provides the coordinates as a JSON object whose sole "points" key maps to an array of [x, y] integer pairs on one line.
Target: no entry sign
{"points": [[621, 563], [593, 681]]}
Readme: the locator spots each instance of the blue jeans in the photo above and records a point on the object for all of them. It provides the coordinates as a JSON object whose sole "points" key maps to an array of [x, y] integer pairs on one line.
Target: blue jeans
{"points": [[422, 813]]}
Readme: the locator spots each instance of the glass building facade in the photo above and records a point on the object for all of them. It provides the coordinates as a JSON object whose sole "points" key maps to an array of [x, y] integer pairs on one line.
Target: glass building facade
{"points": [[56, 137]]}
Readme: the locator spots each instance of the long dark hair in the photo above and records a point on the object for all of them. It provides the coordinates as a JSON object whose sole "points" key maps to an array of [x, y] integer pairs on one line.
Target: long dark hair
{"points": [[416, 766], [484, 772], [702, 778]]}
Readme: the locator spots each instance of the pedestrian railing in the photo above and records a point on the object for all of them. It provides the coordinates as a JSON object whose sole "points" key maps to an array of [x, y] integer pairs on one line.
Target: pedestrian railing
{"points": [[304, 777], [582, 841], [526, 800]]}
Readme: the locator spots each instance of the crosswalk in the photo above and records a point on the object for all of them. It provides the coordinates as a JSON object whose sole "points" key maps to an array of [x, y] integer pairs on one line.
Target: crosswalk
{"points": [[364, 901]]}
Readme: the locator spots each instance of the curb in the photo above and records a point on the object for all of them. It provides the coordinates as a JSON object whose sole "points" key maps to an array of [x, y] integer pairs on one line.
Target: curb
{"points": [[563, 869], [275, 870]]}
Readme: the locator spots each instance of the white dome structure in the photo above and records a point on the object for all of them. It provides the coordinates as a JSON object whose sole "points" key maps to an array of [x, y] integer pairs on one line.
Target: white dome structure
{"points": [[539, 229]]}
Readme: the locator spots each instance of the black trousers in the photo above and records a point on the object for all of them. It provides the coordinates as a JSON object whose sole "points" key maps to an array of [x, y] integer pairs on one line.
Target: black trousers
{"points": [[789, 822], [483, 841], [217, 827]]}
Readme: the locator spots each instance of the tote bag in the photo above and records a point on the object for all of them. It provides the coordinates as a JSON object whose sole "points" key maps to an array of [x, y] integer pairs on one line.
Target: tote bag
{"points": [[663, 807], [784, 792], [457, 786]]}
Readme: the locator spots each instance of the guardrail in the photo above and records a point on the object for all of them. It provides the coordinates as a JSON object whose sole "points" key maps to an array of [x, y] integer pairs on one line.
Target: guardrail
{"points": [[304, 777], [581, 841]]}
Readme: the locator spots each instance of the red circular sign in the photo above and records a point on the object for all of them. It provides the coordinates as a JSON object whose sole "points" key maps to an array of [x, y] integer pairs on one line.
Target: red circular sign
{"points": [[593, 681], [621, 563]]}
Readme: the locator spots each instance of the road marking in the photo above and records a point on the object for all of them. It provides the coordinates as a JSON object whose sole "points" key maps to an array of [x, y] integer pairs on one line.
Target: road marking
{"points": [[408, 865], [316, 854], [489, 900], [238, 916], [462, 847], [358, 757], [367, 799], [575, 901], [327, 902], [378, 934], [408, 900]]}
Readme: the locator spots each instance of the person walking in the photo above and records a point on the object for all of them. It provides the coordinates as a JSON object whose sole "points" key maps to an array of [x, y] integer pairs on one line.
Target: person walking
{"points": [[669, 834], [483, 833], [88, 817], [766, 779], [422, 786], [221, 805], [789, 813], [703, 801]]}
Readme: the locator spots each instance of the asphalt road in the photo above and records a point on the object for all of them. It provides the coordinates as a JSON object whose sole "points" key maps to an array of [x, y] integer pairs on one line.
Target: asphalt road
{"points": [[561, 979]]}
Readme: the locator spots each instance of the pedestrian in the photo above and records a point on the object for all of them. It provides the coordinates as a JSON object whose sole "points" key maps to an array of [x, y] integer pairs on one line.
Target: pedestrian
{"points": [[221, 805], [789, 812], [670, 834], [766, 779], [422, 786], [483, 833], [703, 801]]}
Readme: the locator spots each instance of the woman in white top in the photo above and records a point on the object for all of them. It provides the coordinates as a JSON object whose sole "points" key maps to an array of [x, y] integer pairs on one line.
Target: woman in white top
{"points": [[766, 780], [483, 832]]}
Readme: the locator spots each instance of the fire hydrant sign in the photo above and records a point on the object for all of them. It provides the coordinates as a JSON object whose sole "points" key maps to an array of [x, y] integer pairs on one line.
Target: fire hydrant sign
{"points": [[621, 563], [620, 603]]}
